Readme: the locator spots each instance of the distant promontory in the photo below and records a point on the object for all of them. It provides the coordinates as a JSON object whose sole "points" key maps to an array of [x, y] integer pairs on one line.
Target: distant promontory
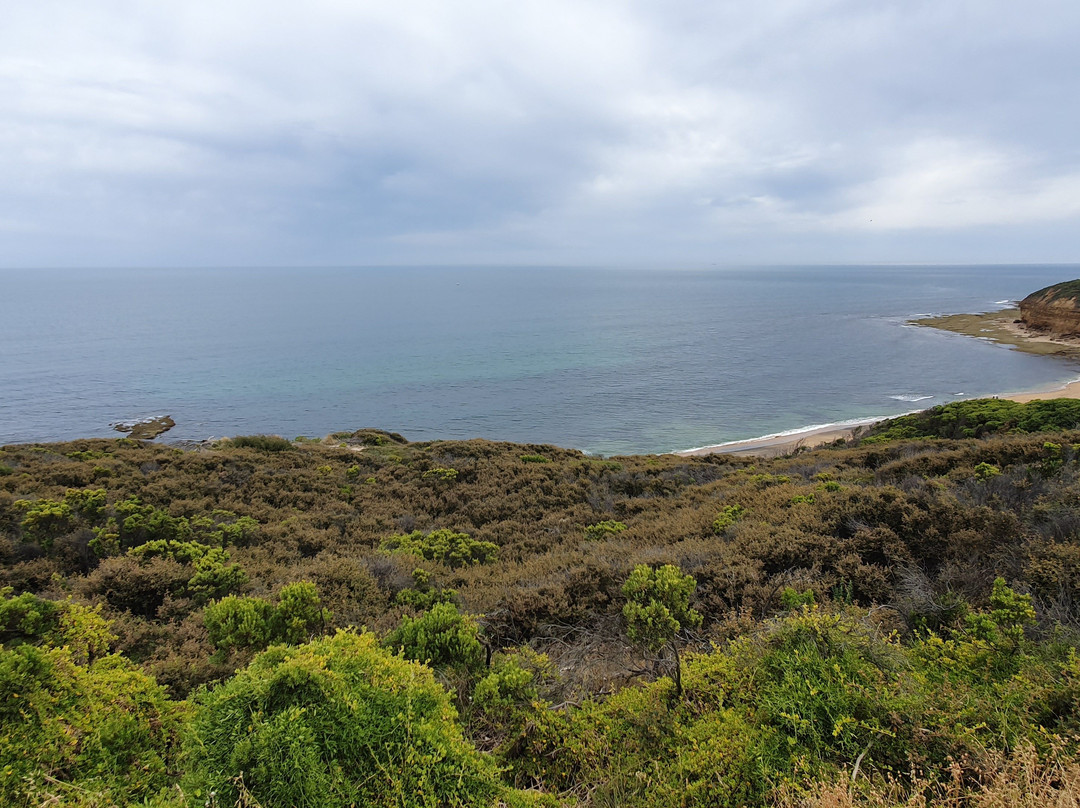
{"points": [[1054, 310], [1046, 322]]}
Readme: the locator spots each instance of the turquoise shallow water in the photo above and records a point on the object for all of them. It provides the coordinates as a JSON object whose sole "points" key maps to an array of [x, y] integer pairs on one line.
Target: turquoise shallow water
{"points": [[607, 360]]}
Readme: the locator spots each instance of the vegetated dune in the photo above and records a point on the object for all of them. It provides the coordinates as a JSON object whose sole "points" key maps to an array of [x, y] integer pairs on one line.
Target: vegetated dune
{"points": [[879, 621]]}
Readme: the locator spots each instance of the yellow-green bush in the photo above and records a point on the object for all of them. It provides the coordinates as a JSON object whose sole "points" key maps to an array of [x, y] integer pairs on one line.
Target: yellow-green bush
{"points": [[74, 718], [337, 722]]}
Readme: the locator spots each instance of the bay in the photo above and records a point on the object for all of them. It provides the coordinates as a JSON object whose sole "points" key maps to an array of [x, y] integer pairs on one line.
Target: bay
{"points": [[605, 359]]}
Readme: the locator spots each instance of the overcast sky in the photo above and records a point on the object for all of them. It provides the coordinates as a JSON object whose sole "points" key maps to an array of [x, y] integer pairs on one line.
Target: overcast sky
{"points": [[181, 132]]}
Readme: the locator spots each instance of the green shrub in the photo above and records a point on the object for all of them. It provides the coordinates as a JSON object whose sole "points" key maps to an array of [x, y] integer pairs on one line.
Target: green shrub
{"points": [[637, 750], [452, 549], [186, 552], [603, 529], [533, 458], [73, 719], [510, 696], [658, 605], [299, 614], [727, 517], [87, 503], [514, 681], [45, 520], [423, 595], [791, 598], [446, 475], [235, 622], [253, 623], [980, 417], [442, 637], [26, 617], [263, 443], [987, 646], [828, 690], [658, 608], [337, 722], [214, 576]]}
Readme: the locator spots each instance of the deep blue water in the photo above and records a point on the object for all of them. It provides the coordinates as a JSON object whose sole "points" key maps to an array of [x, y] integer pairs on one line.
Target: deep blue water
{"points": [[605, 360]]}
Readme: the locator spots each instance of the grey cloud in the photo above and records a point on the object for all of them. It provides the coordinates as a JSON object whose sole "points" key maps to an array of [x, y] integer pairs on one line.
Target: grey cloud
{"points": [[357, 132]]}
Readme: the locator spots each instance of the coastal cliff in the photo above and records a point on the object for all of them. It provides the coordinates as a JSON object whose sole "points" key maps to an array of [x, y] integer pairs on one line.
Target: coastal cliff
{"points": [[1055, 309]]}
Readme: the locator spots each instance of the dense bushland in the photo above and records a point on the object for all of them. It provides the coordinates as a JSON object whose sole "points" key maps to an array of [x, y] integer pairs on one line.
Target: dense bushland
{"points": [[972, 419], [889, 620]]}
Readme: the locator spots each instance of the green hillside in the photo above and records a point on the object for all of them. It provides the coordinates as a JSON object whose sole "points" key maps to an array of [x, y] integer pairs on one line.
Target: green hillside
{"points": [[369, 621]]}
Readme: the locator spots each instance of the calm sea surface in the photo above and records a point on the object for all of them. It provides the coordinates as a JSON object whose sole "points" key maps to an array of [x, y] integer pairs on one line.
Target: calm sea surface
{"points": [[605, 360]]}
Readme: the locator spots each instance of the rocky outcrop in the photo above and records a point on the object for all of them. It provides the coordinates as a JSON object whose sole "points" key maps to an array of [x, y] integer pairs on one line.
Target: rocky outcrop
{"points": [[1055, 309], [146, 428]]}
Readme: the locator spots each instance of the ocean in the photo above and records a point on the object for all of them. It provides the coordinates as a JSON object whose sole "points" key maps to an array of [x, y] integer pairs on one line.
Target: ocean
{"points": [[607, 360]]}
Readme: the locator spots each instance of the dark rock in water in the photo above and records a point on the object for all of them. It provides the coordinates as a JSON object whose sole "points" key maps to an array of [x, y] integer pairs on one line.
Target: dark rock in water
{"points": [[147, 428]]}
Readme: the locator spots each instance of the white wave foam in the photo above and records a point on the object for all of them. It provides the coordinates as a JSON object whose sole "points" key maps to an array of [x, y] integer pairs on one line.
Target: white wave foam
{"points": [[802, 430], [910, 398], [149, 419]]}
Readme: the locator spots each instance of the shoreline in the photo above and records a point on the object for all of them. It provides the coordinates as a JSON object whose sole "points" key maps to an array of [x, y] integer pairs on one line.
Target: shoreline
{"points": [[1002, 327], [779, 444]]}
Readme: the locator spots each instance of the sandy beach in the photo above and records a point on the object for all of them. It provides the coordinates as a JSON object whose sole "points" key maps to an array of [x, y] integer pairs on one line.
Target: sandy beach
{"points": [[1001, 326], [1070, 390], [784, 443], [811, 437]]}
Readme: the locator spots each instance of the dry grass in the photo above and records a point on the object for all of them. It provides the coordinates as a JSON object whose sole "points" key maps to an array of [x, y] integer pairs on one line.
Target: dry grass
{"points": [[1018, 780]]}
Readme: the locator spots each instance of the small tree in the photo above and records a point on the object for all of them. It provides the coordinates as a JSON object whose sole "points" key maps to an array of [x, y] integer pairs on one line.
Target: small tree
{"points": [[299, 615], [658, 608]]}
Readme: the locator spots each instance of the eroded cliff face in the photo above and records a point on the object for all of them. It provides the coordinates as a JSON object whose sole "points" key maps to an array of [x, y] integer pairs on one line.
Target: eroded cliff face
{"points": [[1055, 309]]}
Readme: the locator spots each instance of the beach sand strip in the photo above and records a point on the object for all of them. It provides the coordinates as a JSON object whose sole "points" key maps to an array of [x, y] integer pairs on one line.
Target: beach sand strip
{"points": [[780, 445]]}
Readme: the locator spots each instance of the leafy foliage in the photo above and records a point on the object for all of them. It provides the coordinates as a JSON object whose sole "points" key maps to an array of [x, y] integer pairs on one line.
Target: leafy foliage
{"points": [[337, 722], [658, 605], [446, 546], [727, 517], [423, 594], [603, 529], [980, 417], [253, 623], [851, 627], [441, 637], [72, 713]]}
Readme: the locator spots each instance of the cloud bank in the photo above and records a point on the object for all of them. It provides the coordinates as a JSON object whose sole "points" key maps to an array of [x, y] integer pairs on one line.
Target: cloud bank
{"points": [[354, 132]]}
